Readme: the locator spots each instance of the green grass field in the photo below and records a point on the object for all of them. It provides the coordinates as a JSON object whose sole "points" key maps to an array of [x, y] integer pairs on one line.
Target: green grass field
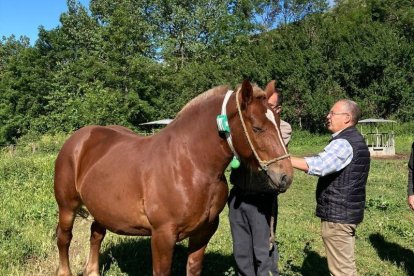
{"points": [[28, 215]]}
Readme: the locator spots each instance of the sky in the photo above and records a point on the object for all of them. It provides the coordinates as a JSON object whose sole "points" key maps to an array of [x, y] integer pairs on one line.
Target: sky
{"points": [[23, 17]]}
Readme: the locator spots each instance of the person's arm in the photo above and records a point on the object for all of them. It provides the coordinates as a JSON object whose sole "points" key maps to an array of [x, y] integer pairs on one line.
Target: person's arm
{"points": [[336, 156], [286, 131], [299, 163], [410, 185], [410, 200]]}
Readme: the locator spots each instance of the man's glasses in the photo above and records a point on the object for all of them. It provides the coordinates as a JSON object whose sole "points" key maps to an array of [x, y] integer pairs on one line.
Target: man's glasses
{"points": [[331, 113], [274, 107]]}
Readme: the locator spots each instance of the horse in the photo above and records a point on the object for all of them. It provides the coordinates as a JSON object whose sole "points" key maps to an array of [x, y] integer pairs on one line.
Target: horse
{"points": [[171, 185]]}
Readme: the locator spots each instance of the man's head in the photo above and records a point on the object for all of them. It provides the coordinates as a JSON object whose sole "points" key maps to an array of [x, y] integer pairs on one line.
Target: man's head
{"points": [[275, 101], [343, 114]]}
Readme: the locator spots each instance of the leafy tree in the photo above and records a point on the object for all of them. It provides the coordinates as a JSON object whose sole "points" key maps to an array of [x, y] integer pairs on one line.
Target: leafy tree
{"points": [[23, 84], [128, 62]]}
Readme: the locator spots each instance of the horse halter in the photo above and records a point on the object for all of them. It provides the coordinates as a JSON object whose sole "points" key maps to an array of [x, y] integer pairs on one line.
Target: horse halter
{"points": [[264, 164]]}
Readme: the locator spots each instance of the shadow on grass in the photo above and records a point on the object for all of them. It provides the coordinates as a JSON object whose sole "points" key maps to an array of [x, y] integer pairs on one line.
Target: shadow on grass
{"points": [[313, 264], [394, 253], [133, 257]]}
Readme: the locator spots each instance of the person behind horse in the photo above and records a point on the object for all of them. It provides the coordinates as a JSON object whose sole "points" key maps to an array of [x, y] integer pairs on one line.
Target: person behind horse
{"points": [[250, 213], [410, 185], [342, 168]]}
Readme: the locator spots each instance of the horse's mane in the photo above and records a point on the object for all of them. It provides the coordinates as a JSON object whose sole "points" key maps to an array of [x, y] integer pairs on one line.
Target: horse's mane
{"points": [[215, 91], [218, 90]]}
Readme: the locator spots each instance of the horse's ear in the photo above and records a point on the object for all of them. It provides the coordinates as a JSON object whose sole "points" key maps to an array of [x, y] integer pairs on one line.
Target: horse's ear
{"points": [[270, 88], [247, 93]]}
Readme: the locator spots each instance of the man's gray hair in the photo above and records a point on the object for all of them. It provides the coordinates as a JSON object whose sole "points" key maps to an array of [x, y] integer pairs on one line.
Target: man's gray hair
{"points": [[353, 109]]}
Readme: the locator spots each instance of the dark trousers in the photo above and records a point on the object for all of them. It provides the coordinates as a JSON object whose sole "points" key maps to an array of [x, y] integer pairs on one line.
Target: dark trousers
{"points": [[250, 229]]}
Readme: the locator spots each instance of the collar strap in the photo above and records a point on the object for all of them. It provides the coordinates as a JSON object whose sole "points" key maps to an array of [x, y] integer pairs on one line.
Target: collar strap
{"points": [[227, 130]]}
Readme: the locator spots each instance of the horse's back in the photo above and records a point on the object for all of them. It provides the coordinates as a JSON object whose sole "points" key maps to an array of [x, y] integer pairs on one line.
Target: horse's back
{"points": [[94, 137], [84, 148]]}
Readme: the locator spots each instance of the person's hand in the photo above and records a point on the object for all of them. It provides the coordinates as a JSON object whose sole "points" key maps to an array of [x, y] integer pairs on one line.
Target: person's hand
{"points": [[410, 200]]}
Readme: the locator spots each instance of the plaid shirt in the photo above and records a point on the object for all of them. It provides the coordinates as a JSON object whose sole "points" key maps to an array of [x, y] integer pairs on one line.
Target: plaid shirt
{"points": [[335, 156]]}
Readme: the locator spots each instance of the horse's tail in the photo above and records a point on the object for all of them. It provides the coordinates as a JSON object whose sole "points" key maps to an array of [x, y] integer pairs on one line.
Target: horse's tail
{"points": [[84, 213]]}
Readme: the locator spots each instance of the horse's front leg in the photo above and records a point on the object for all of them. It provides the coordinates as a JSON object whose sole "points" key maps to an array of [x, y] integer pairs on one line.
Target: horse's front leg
{"points": [[162, 247], [196, 247]]}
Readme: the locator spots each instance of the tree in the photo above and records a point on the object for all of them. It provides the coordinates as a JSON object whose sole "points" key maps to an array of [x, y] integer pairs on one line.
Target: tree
{"points": [[23, 84]]}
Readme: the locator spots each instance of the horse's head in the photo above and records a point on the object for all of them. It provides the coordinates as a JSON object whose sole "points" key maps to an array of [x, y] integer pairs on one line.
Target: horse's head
{"points": [[256, 135]]}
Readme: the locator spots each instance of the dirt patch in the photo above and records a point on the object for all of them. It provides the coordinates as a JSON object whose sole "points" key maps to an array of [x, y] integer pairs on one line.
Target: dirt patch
{"points": [[397, 156]]}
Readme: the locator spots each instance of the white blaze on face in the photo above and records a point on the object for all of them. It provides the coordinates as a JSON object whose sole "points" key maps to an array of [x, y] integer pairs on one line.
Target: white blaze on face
{"points": [[271, 116]]}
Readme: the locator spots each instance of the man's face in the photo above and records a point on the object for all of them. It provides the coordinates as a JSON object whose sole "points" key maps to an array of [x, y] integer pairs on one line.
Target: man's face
{"points": [[338, 117], [272, 101]]}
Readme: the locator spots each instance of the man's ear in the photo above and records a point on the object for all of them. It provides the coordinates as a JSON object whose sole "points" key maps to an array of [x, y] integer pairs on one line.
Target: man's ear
{"points": [[348, 119]]}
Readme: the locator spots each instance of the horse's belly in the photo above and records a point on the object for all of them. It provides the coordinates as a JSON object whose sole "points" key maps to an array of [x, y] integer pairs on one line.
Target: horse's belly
{"points": [[125, 221], [131, 231], [117, 209]]}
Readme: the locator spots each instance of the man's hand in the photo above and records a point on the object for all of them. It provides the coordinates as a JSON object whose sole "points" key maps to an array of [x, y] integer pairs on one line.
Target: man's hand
{"points": [[410, 200]]}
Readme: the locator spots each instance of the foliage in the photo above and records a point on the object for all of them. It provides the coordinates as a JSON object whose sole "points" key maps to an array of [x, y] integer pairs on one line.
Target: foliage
{"points": [[128, 62]]}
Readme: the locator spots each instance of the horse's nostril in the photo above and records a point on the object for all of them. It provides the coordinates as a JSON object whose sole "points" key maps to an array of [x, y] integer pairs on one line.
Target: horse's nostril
{"points": [[284, 179]]}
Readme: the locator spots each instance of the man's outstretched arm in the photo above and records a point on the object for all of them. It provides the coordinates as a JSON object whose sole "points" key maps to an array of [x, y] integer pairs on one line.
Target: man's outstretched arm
{"points": [[299, 163]]}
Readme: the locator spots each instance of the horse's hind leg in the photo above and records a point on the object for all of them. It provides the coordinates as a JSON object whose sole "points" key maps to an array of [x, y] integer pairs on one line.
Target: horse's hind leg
{"points": [[64, 237], [97, 235], [69, 202], [197, 246]]}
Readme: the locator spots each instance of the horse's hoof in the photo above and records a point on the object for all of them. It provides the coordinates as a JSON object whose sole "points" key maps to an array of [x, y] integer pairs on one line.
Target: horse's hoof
{"points": [[91, 273], [63, 272]]}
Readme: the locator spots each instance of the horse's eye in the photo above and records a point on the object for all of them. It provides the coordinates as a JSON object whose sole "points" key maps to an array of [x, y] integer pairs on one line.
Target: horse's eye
{"points": [[257, 129]]}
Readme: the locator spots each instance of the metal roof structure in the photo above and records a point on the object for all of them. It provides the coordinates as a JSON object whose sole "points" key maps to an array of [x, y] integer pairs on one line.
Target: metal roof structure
{"points": [[372, 120], [159, 122]]}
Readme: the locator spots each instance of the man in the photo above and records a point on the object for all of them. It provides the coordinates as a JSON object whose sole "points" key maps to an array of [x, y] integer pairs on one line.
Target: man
{"points": [[340, 194], [410, 185], [275, 103], [251, 213]]}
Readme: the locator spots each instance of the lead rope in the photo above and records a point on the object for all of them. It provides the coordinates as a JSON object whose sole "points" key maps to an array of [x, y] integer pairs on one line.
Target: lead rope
{"points": [[272, 224]]}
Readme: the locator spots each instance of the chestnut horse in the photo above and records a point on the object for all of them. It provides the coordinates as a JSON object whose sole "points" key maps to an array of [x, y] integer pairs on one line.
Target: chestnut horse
{"points": [[170, 185]]}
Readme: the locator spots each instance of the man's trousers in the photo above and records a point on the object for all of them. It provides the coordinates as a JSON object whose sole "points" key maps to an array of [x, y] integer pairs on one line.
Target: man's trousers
{"points": [[250, 228]]}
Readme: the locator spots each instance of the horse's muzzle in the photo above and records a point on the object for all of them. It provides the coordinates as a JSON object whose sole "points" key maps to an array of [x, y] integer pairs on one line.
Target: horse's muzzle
{"points": [[280, 181]]}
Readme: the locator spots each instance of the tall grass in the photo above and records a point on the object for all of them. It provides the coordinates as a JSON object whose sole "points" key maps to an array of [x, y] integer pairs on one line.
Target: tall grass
{"points": [[27, 208], [28, 216]]}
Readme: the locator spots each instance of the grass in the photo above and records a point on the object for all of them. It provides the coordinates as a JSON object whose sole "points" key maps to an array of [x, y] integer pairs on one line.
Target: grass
{"points": [[28, 218]]}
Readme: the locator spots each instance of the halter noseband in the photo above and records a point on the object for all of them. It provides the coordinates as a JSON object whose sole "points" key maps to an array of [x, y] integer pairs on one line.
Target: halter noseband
{"points": [[264, 164]]}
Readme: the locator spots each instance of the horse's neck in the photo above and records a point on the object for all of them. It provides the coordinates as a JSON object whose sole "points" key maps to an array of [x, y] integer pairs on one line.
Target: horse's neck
{"points": [[196, 129]]}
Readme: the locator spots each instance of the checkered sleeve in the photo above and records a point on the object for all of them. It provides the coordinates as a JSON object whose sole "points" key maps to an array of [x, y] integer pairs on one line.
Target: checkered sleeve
{"points": [[335, 156]]}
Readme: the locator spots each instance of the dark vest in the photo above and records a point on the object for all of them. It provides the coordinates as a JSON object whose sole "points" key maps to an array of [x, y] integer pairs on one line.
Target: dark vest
{"points": [[340, 196]]}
